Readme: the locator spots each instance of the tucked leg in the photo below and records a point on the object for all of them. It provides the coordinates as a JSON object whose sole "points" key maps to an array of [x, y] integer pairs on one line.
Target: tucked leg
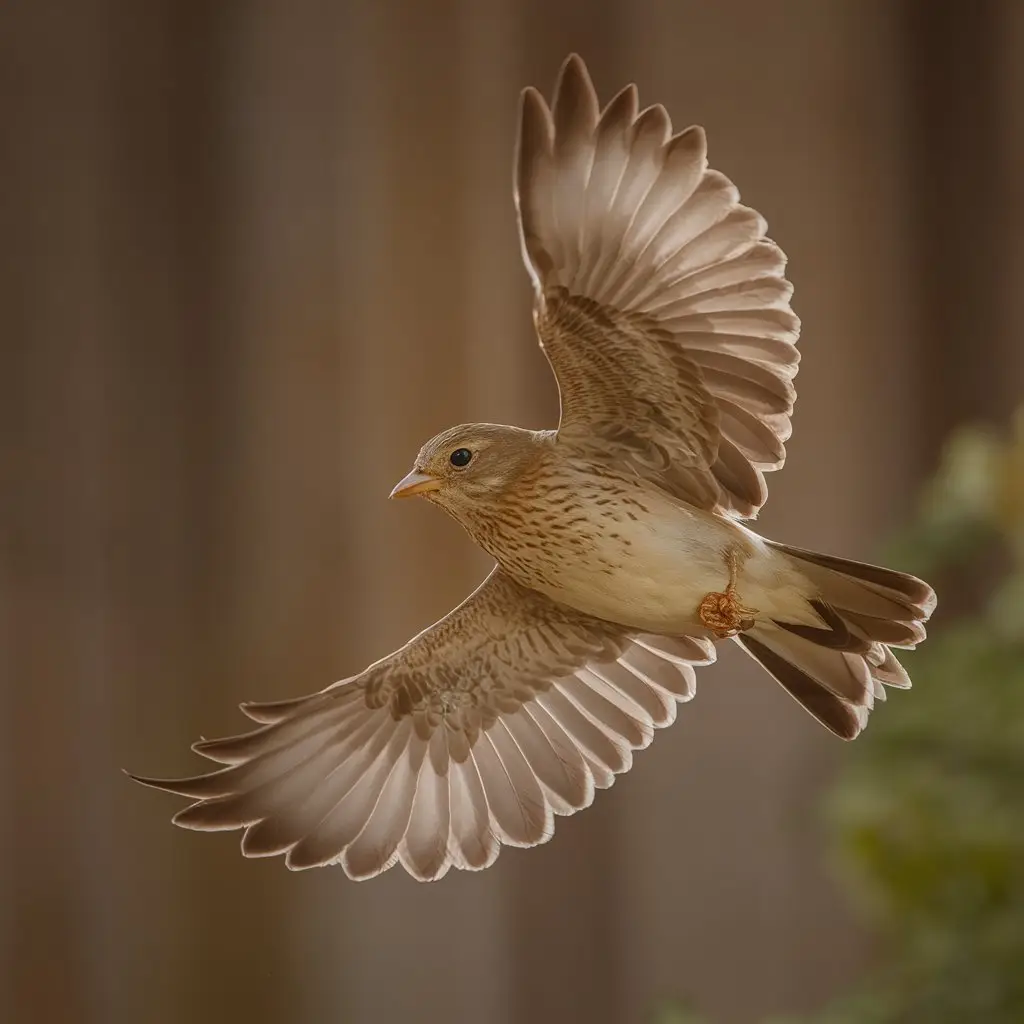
{"points": [[722, 613]]}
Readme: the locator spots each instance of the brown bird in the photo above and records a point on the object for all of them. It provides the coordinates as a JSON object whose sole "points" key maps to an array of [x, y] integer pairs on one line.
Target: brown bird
{"points": [[664, 312]]}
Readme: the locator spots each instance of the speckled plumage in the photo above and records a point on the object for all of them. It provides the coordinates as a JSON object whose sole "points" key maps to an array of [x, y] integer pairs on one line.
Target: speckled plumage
{"points": [[664, 312]]}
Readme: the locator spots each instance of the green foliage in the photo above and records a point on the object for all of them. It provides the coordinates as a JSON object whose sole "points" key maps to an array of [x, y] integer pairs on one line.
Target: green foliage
{"points": [[927, 816], [675, 1012]]}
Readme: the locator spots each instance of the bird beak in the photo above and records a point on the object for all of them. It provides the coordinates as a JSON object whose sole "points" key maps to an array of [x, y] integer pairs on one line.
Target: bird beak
{"points": [[415, 483]]}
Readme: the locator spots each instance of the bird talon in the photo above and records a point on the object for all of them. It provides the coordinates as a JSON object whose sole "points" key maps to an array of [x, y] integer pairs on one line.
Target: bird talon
{"points": [[721, 612], [724, 615]]}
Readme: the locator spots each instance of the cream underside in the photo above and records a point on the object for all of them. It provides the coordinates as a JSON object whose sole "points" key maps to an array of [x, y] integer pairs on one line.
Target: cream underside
{"points": [[675, 555]]}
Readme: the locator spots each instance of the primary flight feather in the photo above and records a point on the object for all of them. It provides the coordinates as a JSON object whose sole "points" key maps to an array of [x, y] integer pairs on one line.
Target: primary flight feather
{"points": [[664, 312]]}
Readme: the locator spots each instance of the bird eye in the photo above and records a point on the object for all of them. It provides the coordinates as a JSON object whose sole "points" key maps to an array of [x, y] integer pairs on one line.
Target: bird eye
{"points": [[460, 457]]}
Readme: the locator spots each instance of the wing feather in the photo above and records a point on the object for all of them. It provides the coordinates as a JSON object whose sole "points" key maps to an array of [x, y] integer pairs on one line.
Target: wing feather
{"points": [[506, 712], [660, 303]]}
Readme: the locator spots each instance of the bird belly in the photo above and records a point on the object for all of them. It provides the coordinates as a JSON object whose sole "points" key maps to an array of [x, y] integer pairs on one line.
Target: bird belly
{"points": [[651, 570]]}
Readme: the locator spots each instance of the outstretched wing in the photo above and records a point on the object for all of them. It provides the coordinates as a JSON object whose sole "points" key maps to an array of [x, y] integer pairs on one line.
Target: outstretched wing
{"points": [[509, 710], [661, 305]]}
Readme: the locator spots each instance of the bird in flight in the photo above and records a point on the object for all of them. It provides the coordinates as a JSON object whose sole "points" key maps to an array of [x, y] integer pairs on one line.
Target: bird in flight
{"points": [[620, 548]]}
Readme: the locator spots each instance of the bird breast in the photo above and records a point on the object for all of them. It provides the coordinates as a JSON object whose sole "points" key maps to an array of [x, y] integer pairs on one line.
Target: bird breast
{"points": [[614, 548]]}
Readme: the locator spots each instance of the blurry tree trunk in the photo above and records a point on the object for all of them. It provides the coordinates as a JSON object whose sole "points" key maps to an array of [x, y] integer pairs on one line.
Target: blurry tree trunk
{"points": [[113, 562]]}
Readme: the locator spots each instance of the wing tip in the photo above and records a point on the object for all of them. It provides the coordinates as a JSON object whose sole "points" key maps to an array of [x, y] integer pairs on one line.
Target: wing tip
{"points": [[270, 712], [574, 78], [535, 137], [178, 787], [656, 120], [573, 65], [621, 110]]}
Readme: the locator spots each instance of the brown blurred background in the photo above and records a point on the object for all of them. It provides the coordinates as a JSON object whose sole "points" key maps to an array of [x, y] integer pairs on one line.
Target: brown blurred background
{"points": [[253, 255]]}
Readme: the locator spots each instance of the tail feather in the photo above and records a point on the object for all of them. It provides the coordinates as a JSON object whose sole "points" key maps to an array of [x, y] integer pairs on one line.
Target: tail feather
{"points": [[838, 669], [835, 634], [843, 717], [866, 590], [885, 631]]}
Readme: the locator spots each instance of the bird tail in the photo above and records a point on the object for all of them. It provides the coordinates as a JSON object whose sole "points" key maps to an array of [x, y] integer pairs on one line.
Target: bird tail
{"points": [[838, 669]]}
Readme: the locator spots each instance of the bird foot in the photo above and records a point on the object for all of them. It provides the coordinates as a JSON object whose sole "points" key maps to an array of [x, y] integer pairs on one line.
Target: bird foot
{"points": [[723, 614]]}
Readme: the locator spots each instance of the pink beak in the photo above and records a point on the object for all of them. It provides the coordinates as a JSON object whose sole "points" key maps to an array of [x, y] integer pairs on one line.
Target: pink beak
{"points": [[415, 483]]}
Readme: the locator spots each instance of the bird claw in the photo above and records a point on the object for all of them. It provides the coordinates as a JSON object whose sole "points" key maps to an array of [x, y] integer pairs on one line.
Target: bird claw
{"points": [[724, 615], [721, 612]]}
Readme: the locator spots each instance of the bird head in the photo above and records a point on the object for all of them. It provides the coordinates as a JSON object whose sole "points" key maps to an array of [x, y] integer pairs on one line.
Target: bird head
{"points": [[470, 465]]}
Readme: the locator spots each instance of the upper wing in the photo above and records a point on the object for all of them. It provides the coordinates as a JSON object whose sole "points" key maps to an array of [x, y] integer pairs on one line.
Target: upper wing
{"points": [[662, 308], [510, 709]]}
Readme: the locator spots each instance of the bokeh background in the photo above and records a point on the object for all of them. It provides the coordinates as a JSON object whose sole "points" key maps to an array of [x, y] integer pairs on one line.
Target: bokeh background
{"points": [[253, 254]]}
